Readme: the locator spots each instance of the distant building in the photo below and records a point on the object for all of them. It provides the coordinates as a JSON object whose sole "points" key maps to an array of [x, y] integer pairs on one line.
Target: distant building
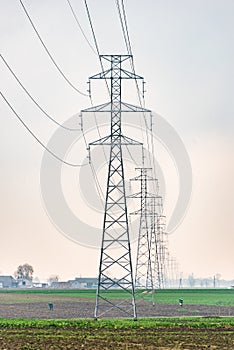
{"points": [[40, 285], [8, 282], [61, 285], [84, 282], [24, 283]]}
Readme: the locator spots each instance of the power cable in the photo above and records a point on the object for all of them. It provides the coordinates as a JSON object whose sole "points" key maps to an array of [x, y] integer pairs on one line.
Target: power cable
{"points": [[102, 68], [138, 90], [97, 183], [126, 36], [36, 138], [98, 186], [126, 39], [129, 46], [91, 26], [81, 29], [48, 52], [97, 52], [122, 25], [129, 50], [126, 27], [33, 99], [95, 42], [130, 154]]}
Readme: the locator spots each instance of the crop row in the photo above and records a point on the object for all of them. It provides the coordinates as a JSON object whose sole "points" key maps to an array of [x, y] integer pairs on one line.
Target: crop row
{"points": [[190, 322]]}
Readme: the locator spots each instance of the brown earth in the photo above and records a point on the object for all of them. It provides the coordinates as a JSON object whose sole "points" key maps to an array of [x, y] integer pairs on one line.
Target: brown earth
{"points": [[68, 338], [37, 306], [161, 338]]}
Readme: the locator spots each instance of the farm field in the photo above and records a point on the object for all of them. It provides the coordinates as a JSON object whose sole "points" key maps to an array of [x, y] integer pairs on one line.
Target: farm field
{"points": [[27, 323], [165, 296], [34, 303], [161, 333]]}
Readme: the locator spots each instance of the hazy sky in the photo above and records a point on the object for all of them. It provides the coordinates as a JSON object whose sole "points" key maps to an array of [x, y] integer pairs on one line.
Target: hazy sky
{"points": [[184, 49]]}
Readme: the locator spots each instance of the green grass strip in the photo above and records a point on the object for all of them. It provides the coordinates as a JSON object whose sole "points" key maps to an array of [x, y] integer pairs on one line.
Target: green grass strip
{"points": [[188, 322]]}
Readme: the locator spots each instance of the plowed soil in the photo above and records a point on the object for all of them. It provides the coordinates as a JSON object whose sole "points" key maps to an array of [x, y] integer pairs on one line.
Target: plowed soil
{"points": [[37, 306], [120, 339], [161, 338]]}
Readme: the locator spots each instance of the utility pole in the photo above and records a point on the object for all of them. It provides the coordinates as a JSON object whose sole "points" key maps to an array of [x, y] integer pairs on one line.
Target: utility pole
{"points": [[115, 268]]}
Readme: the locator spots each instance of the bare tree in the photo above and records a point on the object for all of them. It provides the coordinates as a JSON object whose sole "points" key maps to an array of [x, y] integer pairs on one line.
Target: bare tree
{"points": [[24, 271], [53, 278]]}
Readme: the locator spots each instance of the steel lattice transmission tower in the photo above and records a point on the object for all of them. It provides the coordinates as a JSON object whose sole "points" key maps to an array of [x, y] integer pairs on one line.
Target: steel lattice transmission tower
{"points": [[115, 268], [151, 247], [144, 278], [143, 275], [157, 241]]}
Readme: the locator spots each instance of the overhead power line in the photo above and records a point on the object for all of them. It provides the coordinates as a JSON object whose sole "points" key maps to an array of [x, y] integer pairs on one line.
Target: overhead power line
{"points": [[95, 42], [91, 26], [124, 26], [81, 29], [33, 99], [36, 138], [48, 52], [97, 52], [102, 68]]}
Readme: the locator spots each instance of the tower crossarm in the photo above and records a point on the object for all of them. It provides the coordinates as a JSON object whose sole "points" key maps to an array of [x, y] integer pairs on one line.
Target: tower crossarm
{"points": [[106, 140], [122, 73], [106, 108]]}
